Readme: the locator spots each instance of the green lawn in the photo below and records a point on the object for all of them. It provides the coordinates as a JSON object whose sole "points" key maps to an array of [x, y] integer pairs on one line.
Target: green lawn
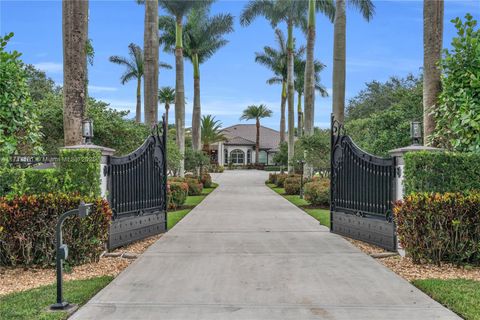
{"points": [[32, 304], [173, 217], [460, 296], [322, 215]]}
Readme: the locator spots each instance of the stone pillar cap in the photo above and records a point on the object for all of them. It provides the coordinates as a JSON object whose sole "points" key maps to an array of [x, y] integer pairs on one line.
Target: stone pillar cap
{"points": [[413, 148], [105, 151]]}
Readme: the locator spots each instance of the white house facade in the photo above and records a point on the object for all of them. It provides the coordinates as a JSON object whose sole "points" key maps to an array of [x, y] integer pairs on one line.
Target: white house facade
{"points": [[239, 145]]}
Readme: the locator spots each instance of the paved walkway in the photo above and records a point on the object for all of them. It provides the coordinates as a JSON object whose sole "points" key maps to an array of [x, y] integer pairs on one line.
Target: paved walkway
{"points": [[247, 253]]}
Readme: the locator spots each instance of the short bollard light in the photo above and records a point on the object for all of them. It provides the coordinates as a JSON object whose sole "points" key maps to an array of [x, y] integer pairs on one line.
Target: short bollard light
{"points": [[62, 253], [302, 163]]}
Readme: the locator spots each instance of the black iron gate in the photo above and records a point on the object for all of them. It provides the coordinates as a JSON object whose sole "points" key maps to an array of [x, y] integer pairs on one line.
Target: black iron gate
{"points": [[137, 191], [362, 189]]}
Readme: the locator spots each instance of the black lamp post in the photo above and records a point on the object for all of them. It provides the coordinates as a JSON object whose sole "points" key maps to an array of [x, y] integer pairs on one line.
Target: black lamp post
{"points": [[87, 130], [416, 132], [302, 163], [62, 253]]}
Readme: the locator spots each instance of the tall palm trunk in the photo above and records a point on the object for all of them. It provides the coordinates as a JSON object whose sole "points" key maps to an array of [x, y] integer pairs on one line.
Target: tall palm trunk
{"points": [[290, 98], [339, 47], [75, 36], [196, 115], [309, 90], [167, 107], [180, 95], [282, 111], [138, 110], [299, 116], [150, 89], [257, 141], [432, 48]]}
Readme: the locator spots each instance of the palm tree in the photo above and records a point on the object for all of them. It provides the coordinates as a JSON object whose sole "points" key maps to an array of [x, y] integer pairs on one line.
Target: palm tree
{"points": [[75, 39], [150, 48], [134, 70], [203, 36], [432, 52], [293, 13], [257, 113], [211, 132], [178, 9], [276, 60], [309, 90], [300, 66], [367, 9], [166, 95]]}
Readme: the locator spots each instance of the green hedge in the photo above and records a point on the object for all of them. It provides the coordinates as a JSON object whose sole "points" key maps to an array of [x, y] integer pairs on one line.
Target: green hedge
{"points": [[435, 227], [78, 171], [27, 229], [28, 181], [441, 172]]}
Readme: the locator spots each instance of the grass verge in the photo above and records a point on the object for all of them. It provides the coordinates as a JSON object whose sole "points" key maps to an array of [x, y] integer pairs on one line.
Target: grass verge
{"points": [[173, 217], [33, 304], [321, 214], [459, 295]]}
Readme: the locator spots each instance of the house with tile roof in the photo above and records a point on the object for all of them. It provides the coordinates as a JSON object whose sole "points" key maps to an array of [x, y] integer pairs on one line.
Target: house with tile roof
{"points": [[239, 145]]}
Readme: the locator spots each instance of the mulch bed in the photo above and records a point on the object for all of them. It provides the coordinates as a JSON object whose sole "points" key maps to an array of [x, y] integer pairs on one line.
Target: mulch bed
{"points": [[410, 271], [20, 278]]}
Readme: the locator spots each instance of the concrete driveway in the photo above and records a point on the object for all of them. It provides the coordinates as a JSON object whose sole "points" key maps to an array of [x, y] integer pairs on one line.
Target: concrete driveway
{"points": [[247, 253]]}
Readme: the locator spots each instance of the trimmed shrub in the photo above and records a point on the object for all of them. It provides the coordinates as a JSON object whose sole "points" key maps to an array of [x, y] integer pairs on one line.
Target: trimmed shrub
{"points": [[27, 229], [80, 171], [441, 172], [434, 227], [176, 194], [206, 180], [195, 187], [317, 192], [292, 185], [280, 179]]}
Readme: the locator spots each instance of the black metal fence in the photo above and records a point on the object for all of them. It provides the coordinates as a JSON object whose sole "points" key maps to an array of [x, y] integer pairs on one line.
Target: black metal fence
{"points": [[362, 190], [137, 191]]}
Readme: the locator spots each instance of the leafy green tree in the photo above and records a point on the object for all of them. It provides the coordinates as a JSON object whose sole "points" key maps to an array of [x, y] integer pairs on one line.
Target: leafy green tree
{"points": [[458, 114], [294, 14], [166, 95], [203, 36], [211, 132], [19, 124], [195, 159], [257, 113], [134, 66], [378, 118]]}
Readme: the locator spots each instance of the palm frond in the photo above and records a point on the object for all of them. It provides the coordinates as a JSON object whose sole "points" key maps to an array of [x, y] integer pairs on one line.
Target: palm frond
{"points": [[366, 8]]}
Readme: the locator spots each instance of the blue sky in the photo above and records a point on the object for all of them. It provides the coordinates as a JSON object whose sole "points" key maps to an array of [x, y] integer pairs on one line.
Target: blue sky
{"points": [[391, 44]]}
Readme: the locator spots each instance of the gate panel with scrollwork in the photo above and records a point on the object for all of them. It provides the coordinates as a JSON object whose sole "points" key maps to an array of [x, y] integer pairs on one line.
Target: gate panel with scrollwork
{"points": [[137, 191], [362, 189]]}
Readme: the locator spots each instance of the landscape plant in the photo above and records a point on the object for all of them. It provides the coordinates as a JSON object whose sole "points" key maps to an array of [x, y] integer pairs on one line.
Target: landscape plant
{"points": [[440, 227], [457, 116], [317, 192], [27, 229]]}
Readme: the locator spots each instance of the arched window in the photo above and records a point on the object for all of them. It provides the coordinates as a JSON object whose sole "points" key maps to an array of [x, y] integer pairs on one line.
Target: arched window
{"points": [[237, 156]]}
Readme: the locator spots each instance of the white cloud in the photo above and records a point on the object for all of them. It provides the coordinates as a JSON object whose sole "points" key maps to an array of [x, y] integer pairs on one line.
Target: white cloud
{"points": [[122, 105], [50, 67], [97, 89]]}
